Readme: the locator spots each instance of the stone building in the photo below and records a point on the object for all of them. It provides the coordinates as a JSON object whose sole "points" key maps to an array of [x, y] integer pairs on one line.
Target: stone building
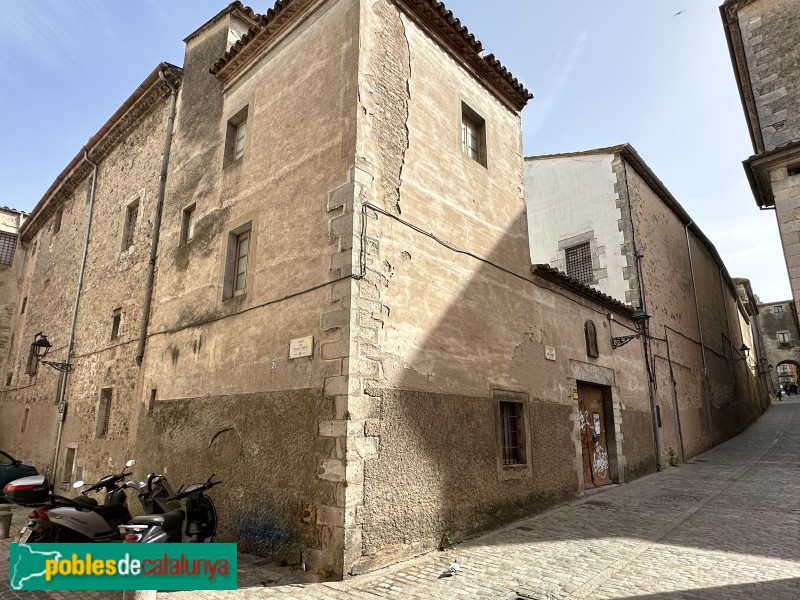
{"points": [[780, 337], [10, 274], [604, 218], [764, 42], [309, 273]]}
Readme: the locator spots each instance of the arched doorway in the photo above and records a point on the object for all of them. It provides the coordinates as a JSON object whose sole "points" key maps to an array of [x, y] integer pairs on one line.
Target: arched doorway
{"points": [[787, 373]]}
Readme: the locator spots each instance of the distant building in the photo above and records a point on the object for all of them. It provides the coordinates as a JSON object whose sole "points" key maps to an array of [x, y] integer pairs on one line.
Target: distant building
{"points": [[780, 335], [764, 42], [605, 219]]}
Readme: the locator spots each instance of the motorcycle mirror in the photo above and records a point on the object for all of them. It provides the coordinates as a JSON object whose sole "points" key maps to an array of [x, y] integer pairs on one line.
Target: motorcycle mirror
{"points": [[78, 484], [130, 463]]}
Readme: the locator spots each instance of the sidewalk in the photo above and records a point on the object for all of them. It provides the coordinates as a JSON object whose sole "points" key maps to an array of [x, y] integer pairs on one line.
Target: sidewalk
{"points": [[726, 525]]}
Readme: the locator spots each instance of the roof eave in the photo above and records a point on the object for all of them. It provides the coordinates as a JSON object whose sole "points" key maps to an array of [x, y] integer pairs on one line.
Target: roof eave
{"points": [[72, 167]]}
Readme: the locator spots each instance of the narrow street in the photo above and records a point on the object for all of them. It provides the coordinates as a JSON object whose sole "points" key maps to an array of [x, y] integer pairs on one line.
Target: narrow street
{"points": [[726, 525]]}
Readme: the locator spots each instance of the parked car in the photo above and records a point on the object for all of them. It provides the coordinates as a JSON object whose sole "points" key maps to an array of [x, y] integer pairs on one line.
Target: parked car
{"points": [[11, 469]]}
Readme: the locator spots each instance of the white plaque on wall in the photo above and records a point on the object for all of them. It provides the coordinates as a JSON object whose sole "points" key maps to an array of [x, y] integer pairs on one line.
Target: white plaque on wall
{"points": [[549, 352], [300, 347]]}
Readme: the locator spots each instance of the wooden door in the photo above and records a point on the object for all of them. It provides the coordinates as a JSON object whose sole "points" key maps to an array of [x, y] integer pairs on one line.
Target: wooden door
{"points": [[593, 436]]}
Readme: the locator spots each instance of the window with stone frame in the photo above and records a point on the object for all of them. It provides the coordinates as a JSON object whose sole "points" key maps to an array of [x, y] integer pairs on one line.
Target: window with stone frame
{"points": [[187, 224], [473, 134], [235, 135], [777, 308], [129, 230], [783, 338], [579, 262], [237, 261]]}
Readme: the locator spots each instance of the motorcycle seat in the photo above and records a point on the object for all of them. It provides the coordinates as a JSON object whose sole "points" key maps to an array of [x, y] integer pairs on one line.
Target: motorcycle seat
{"points": [[168, 520], [111, 512], [85, 500]]}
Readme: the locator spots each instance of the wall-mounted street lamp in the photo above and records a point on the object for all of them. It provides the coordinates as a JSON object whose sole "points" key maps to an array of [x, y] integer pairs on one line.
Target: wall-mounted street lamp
{"points": [[744, 351], [640, 319], [41, 346], [765, 368]]}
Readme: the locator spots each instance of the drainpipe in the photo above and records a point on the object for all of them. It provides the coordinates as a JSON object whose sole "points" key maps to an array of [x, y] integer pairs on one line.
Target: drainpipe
{"points": [[651, 376], [162, 185], [62, 390]]}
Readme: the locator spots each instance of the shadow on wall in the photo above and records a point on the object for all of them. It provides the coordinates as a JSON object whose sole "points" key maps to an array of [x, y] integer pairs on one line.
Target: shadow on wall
{"points": [[478, 328]]}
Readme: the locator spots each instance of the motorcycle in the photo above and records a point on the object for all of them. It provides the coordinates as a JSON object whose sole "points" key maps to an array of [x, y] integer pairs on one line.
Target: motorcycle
{"points": [[200, 515], [82, 519]]}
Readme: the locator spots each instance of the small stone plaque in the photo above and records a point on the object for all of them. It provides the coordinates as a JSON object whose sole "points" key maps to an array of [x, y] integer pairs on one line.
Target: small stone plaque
{"points": [[549, 352], [300, 347]]}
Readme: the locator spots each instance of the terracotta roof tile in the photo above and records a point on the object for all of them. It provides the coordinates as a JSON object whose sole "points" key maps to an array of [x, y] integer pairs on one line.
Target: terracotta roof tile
{"points": [[556, 276], [432, 13]]}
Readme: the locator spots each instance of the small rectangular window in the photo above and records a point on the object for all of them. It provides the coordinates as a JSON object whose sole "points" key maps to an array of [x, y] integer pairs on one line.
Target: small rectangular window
{"points": [[24, 420], [187, 224], [129, 231], [511, 435], [793, 170], [57, 220], [510, 415], [69, 465], [783, 338], [33, 247], [104, 411], [24, 304], [237, 260], [9, 379], [473, 135], [777, 308], [116, 322], [235, 137], [32, 366], [579, 262], [240, 272], [8, 243]]}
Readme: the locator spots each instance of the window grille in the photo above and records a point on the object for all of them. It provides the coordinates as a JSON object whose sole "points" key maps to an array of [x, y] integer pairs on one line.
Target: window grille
{"points": [[8, 243], [579, 263], [510, 414]]}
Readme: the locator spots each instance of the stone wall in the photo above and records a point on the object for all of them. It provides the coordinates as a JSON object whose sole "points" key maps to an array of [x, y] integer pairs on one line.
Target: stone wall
{"points": [[769, 36], [10, 279]]}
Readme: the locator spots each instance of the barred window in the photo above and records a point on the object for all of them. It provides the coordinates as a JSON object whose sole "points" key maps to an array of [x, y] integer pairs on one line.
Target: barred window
{"points": [[579, 263], [512, 450], [8, 243]]}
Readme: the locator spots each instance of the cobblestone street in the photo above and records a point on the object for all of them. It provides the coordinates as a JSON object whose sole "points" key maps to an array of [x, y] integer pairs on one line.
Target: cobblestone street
{"points": [[726, 525]]}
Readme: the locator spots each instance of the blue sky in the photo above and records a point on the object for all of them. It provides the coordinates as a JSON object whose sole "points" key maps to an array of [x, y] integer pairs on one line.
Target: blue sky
{"points": [[602, 72]]}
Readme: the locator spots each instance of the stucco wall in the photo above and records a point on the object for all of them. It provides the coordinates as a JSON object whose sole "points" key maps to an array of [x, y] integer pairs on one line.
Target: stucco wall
{"points": [[568, 197]]}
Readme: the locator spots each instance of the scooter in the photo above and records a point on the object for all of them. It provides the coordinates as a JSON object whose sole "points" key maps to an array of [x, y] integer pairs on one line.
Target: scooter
{"points": [[200, 515], [81, 519]]}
